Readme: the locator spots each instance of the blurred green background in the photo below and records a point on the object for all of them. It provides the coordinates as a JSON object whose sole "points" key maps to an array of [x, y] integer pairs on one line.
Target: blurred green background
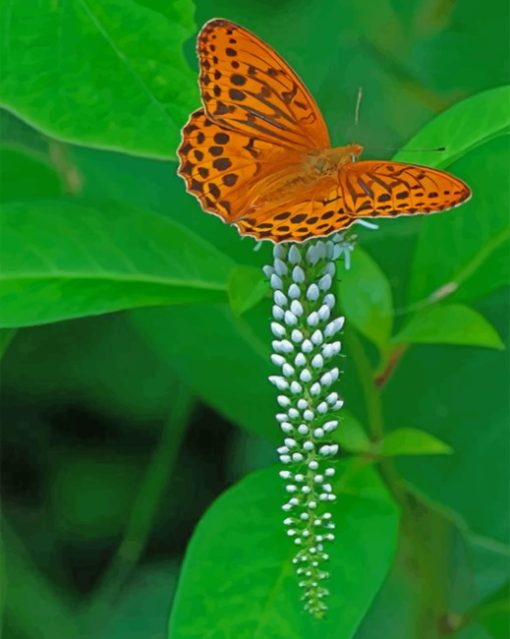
{"points": [[119, 429]]}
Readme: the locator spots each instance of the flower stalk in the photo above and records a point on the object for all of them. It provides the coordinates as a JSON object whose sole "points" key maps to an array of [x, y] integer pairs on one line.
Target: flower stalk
{"points": [[305, 346]]}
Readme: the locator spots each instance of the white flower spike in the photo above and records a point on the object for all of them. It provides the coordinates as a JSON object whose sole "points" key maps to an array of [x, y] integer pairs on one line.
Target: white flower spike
{"points": [[306, 344]]}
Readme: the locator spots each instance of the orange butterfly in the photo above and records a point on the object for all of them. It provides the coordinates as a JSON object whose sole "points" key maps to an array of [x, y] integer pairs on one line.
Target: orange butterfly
{"points": [[258, 153]]}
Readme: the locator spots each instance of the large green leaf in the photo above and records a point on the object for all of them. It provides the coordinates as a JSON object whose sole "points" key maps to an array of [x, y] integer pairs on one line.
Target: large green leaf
{"points": [[449, 324], [238, 580], [24, 174], [461, 128], [465, 253], [109, 74], [60, 259]]}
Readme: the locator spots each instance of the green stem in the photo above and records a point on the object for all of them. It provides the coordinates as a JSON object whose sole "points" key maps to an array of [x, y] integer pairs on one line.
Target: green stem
{"points": [[145, 507]]}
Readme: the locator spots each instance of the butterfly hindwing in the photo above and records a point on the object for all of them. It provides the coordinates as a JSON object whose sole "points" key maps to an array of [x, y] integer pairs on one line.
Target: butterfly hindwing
{"points": [[385, 188], [224, 168]]}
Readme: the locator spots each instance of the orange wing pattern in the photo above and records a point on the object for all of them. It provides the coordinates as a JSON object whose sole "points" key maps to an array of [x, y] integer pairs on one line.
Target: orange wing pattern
{"points": [[248, 87], [226, 169], [380, 188], [258, 153], [361, 189]]}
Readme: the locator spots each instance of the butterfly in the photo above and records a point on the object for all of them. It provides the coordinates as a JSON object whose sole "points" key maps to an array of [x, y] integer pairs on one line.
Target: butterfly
{"points": [[258, 153]]}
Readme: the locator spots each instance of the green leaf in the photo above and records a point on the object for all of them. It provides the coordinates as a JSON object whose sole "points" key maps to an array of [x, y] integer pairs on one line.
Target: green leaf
{"points": [[24, 175], [462, 128], [411, 441], [61, 259], [449, 324], [351, 436], [365, 298], [106, 73], [465, 253], [246, 288], [220, 357], [238, 580]]}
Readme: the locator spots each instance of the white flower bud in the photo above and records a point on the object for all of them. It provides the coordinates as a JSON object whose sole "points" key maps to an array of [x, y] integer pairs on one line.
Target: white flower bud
{"points": [[305, 376], [290, 318], [298, 275], [312, 319], [296, 336], [324, 312], [315, 389], [277, 360], [297, 308], [295, 387], [276, 281], [307, 346], [280, 267], [318, 361], [300, 360], [277, 329], [286, 346], [279, 298], [312, 293], [278, 312], [294, 256], [287, 370], [317, 337], [294, 291]]}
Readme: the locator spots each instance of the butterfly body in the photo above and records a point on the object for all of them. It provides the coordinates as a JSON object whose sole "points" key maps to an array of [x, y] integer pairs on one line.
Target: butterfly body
{"points": [[258, 153]]}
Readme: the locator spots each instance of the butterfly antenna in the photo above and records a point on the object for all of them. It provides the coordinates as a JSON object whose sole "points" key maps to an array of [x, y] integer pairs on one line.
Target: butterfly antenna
{"points": [[358, 106], [440, 149]]}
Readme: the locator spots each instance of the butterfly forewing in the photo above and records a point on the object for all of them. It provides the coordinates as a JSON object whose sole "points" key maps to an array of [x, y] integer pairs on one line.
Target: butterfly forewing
{"points": [[248, 87]]}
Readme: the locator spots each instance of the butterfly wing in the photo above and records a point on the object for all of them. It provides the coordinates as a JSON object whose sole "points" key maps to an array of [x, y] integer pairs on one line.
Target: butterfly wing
{"points": [[380, 188], [361, 189], [246, 86], [224, 169]]}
